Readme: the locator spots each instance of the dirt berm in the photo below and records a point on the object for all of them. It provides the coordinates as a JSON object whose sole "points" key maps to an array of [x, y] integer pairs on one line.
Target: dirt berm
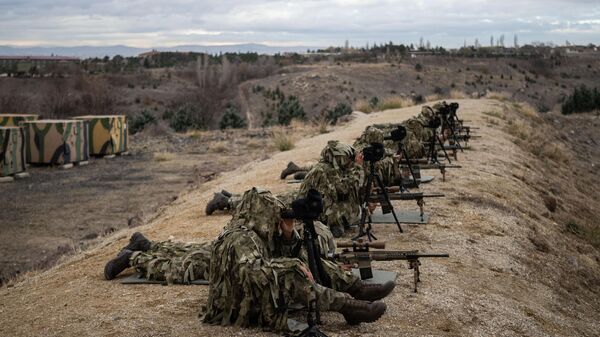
{"points": [[514, 270]]}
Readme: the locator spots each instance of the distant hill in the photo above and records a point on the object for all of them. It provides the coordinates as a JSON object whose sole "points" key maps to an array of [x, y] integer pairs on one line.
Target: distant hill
{"points": [[101, 51]]}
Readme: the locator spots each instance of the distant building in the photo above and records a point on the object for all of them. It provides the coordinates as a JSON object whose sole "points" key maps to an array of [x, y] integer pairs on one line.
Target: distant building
{"points": [[33, 64]]}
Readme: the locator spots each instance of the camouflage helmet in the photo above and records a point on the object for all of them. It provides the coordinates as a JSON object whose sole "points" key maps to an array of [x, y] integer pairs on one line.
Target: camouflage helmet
{"points": [[338, 154], [259, 211], [427, 112], [373, 135]]}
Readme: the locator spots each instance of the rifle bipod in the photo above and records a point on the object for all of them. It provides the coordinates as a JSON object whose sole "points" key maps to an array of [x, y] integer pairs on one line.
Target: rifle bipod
{"points": [[385, 208]]}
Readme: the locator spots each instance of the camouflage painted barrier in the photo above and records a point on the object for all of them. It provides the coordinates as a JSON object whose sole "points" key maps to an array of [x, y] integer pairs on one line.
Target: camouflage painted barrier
{"points": [[107, 134], [12, 150], [57, 141], [16, 119]]}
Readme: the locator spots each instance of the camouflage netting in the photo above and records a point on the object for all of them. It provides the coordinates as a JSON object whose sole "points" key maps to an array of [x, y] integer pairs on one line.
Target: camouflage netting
{"points": [[12, 150], [107, 134], [16, 119], [56, 141]]}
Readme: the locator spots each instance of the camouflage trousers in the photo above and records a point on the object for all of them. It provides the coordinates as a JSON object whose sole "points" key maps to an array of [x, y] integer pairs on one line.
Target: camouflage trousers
{"points": [[286, 198], [182, 263], [173, 262]]}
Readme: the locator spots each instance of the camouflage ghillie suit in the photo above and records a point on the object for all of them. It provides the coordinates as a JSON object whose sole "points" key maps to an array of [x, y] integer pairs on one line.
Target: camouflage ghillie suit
{"points": [[173, 262], [252, 280], [388, 168], [182, 263], [339, 180]]}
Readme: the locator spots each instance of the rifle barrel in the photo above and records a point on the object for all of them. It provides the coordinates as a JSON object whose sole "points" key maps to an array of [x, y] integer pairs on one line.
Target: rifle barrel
{"points": [[409, 196], [388, 255], [433, 166]]}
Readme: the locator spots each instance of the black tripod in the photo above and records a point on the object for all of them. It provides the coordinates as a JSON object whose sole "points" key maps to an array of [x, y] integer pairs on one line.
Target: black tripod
{"points": [[449, 124], [386, 205], [435, 140], [316, 268], [402, 150]]}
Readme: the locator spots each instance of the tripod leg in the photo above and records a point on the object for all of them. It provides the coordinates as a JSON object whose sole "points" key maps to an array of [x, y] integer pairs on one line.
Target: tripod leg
{"points": [[387, 199], [443, 149], [369, 233], [410, 168]]}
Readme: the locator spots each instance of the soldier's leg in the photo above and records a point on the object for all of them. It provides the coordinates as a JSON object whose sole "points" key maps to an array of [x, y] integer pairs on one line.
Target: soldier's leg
{"points": [[173, 262], [293, 168], [303, 291]]}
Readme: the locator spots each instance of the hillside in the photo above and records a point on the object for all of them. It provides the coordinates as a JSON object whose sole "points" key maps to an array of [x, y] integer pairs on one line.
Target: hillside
{"points": [[516, 221]]}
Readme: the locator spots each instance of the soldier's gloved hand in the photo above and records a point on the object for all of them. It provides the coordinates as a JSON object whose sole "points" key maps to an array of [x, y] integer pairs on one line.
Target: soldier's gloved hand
{"points": [[308, 274]]}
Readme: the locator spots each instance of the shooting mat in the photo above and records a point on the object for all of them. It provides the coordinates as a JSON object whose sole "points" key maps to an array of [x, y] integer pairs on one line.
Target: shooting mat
{"points": [[406, 217], [139, 279]]}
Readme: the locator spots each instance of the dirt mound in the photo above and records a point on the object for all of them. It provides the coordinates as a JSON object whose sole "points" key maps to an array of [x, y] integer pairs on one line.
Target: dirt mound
{"points": [[514, 270]]}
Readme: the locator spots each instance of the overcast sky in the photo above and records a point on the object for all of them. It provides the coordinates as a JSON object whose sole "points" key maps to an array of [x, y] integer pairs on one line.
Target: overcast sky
{"points": [[309, 23]]}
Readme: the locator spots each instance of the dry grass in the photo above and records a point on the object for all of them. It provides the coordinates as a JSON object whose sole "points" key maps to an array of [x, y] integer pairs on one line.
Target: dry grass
{"points": [[195, 134], [322, 124], [395, 102], [362, 105], [527, 110], [299, 125], [254, 144], [537, 141], [218, 147], [163, 156], [498, 95], [387, 103], [282, 139], [432, 98], [458, 94], [496, 114]]}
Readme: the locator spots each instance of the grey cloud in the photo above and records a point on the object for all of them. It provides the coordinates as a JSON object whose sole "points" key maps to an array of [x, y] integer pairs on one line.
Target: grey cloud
{"points": [[316, 22]]}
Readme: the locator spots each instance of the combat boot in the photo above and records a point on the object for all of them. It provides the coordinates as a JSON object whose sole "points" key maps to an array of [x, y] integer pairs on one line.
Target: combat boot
{"points": [[290, 169], [370, 291], [218, 202], [300, 175], [117, 265], [356, 312], [138, 242]]}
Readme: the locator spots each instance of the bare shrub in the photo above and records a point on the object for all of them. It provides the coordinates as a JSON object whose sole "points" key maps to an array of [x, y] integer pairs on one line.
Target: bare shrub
{"points": [[58, 100], [98, 98], [14, 102], [282, 139]]}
